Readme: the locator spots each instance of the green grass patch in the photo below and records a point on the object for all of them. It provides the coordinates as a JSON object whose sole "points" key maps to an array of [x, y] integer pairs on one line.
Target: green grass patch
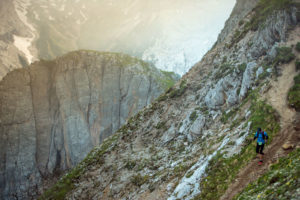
{"points": [[168, 79], [242, 67], [284, 55], [161, 125], [298, 46], [189, 174], [294, 94], [162, 97], [179, 170], [193, 116], [130, 164], [264, 116], [180, 91], [297, 65], [280, 182], [132, 124], [139, 180], [121, 59], [228, 115], [224, 70]]}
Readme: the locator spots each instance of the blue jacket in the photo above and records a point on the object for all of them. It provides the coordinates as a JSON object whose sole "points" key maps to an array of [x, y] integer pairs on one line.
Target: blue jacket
{"points": [[260, 137]]}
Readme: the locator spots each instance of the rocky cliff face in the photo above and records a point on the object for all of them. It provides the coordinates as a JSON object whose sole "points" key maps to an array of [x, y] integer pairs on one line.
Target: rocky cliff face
{"points": [[53, 112], [239, 12], [193, 142]]}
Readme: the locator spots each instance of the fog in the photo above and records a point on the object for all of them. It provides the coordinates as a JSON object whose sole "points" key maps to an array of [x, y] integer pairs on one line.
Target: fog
{"points": [[173, 34]]}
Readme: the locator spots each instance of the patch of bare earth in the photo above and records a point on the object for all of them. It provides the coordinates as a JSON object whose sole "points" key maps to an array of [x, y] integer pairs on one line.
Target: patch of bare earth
{"points": [[157, 194]]}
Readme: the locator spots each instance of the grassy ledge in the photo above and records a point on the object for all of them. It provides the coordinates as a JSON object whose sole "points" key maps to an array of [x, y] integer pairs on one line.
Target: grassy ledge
{"points": [[168, 79], [173, 92], [294, 94]]}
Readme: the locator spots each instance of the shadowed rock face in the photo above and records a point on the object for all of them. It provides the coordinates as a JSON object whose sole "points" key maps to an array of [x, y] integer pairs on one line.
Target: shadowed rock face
{"points": [[54, 112]]}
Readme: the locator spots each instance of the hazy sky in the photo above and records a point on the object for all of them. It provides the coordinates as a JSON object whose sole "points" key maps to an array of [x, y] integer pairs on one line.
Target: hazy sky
{"points": [[173, 34]]}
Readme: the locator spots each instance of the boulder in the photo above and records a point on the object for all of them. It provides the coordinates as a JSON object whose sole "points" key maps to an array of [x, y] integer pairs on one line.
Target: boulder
{"points": [[287, 146], [247, 79], [197, 126]]}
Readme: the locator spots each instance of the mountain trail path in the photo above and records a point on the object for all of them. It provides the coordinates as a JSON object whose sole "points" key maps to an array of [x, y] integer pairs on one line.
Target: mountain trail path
{"points": [[289, 134]]}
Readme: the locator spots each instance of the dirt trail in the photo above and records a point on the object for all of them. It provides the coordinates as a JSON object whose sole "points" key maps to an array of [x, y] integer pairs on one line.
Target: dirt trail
{"points": [[253, 171], [277, 95], [290, 131]]}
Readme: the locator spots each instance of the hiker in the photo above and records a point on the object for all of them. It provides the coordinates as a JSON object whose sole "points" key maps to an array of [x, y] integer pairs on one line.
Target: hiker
{"points": [[262, 138]]}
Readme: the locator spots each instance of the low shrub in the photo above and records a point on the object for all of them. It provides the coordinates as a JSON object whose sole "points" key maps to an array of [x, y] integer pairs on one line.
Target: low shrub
{"points": [[139, 180], [193, 116], [297, 65], [130, 164], [298, 46], [242, 67], [284, 55], [294, 94], [180, 91]]}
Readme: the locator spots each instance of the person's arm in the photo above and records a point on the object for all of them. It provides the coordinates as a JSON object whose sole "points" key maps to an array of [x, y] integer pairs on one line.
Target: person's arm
{"points": [[267, 137], [255, 136]]}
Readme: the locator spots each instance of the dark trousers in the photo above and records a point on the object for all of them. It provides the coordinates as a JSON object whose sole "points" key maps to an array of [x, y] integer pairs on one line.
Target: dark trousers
{"points": [[260, 148]]}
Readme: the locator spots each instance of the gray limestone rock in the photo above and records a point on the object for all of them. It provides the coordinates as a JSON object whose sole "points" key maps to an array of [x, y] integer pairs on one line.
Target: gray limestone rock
{"points": [[197, 126], [225, 91], [273, 52], [169, 135], [259, 71], [269, 70], [215, 97], [248, 78], [54, 112], [274, 31]]}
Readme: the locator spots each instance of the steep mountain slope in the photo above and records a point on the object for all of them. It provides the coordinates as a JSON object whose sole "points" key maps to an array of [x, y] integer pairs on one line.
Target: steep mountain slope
{"points": [[53, 112], [280, 88], [193, 142]]}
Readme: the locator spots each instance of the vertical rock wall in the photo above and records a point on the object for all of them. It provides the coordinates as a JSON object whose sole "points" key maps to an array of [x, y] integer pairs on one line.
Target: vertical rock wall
{"points": [[54, 112]]}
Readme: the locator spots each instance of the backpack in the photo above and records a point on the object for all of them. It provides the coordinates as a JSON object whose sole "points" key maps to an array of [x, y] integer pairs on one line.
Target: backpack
{"points": [[263, 135]]}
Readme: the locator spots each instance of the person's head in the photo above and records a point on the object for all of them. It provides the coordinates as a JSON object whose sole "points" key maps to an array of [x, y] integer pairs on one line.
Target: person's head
{"points": [[258, 129]]}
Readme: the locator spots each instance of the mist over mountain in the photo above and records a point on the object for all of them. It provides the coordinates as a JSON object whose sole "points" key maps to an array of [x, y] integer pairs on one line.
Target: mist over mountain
{"points": [[173, 35]]}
